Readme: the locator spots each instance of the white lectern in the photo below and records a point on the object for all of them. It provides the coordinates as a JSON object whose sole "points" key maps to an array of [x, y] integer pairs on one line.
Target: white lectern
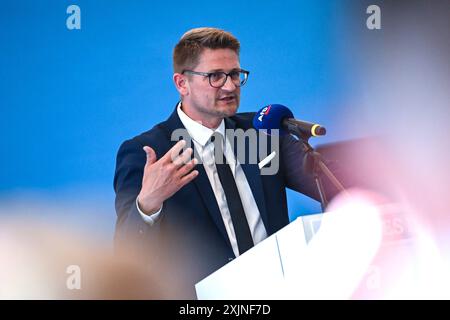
{"points": [[303, 261]]}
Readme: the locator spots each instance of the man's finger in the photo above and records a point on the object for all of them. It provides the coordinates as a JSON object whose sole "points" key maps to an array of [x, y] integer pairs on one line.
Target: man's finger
{"points": [[184, 170], [188, 178], [183, 158], [151, 155], [174, 151]]}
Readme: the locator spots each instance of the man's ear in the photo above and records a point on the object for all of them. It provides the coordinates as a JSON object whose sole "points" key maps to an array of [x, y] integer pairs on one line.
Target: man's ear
{"points": [[181, 84]]}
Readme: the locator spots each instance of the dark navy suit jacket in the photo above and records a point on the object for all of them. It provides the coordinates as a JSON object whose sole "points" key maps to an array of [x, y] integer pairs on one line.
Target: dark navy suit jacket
{"points": [[189, 241]]}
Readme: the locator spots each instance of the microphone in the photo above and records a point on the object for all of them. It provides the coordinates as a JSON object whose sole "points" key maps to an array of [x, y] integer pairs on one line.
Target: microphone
{"points": [[277, 116]]}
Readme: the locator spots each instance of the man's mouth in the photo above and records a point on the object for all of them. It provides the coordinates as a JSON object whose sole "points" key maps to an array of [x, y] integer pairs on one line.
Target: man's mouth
{"points": [[227, 99]]}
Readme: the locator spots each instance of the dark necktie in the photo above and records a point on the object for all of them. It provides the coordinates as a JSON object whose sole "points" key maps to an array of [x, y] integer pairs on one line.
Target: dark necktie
{"points": [[240, 224]]}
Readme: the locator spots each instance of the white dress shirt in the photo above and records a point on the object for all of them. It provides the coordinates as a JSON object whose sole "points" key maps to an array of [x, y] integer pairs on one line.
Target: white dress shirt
{"points": [[201, 137]]}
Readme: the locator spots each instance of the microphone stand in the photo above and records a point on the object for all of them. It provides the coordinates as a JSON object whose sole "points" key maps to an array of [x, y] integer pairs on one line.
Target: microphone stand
{"points": [[313, 163]]}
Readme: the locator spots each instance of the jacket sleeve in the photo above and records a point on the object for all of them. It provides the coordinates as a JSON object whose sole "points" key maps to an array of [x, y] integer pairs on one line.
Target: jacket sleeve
{"points": [[131, 229]]}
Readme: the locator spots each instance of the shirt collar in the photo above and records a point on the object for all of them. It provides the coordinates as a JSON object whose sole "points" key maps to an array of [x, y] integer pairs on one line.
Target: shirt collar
{"points": [[196, 130]]}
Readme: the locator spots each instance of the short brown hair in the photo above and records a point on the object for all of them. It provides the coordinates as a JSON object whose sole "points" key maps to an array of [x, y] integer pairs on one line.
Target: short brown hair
{"points": [[187, 51]]}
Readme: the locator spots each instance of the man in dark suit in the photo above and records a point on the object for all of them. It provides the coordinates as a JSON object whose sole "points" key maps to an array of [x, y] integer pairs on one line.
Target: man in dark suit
{"points": [[186, 217]]}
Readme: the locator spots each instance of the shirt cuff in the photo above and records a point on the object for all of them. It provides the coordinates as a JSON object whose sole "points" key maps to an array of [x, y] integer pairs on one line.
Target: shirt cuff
{"points": [[149, 219]]}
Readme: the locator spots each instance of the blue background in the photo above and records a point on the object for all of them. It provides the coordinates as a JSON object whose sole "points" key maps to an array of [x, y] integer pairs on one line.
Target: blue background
{"points": [[68, 98]]}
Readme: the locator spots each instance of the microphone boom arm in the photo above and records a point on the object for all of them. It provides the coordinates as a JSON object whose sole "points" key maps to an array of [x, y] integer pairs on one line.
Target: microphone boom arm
{"points": [[313, 162]]}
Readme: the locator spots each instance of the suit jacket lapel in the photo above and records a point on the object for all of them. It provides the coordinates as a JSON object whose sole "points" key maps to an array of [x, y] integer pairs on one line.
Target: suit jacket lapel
{"points": [[201, 182], [253, 175]]}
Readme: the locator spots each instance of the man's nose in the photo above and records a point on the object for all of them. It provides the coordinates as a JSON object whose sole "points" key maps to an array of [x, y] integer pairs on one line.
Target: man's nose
{"points": [[229, 85]]}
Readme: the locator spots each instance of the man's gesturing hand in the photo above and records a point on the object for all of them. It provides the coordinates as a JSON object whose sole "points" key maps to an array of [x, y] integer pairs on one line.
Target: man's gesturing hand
{"points": [[166, 176]]}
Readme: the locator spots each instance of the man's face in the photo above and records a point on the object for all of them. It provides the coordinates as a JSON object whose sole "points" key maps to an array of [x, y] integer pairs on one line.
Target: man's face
{"points": [[205, 102]]}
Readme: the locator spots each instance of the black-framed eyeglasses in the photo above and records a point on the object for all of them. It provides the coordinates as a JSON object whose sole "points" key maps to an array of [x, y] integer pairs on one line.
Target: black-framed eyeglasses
{"points": [[217, 79]]}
